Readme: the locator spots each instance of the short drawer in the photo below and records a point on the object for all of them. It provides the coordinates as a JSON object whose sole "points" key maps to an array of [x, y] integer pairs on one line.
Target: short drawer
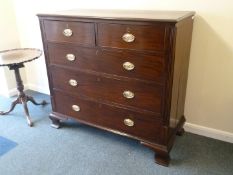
{"points": [[72, 32], [139, 37], [138, 65], [107, 116], [130, 93]]}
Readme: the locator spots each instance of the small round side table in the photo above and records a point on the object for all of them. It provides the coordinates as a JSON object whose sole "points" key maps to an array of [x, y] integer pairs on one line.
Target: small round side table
{"points": [[15, 60]]}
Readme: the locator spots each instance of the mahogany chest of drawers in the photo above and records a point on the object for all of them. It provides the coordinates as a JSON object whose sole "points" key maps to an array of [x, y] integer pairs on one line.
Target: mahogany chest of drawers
{"points": [[121, 71]]}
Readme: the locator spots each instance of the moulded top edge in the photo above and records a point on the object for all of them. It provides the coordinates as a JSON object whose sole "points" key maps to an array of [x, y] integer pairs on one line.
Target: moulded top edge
{"points": [[136, 15]]}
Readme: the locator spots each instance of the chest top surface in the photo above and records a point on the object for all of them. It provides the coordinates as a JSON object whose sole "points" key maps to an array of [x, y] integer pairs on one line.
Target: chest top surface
{"points": [[137, 15]]}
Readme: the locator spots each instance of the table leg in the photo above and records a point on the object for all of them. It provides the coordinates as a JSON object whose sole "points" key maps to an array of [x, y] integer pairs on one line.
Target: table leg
{"points": [[24, 102], [13, 104], [31, 99]]}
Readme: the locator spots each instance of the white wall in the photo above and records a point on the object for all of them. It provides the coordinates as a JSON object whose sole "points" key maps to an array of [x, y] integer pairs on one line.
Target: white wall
{"points": [[209, 101], [9, 40]]}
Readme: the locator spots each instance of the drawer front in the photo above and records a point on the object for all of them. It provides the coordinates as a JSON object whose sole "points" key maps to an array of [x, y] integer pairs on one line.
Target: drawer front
{"points": [[150, 37], [129, 93], [122, 63], [118, 119], [71, 32]]}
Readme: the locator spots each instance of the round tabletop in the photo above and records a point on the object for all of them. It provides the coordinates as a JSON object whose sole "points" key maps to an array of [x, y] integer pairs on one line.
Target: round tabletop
{"points": [[18, 56]]}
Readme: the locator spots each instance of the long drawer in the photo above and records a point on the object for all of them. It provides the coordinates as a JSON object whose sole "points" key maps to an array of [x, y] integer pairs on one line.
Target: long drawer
{"points": [[118, 119], [131, 93], [145, 66]]}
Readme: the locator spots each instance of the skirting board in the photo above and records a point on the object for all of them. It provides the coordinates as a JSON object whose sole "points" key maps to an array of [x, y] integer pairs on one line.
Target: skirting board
{"points": [[209, 132], [38, 89], [13, 92]]}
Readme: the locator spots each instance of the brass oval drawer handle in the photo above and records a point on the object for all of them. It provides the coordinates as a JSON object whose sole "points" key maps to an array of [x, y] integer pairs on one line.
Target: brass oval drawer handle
{"points": [[128, 94], [67, 32], [76, 108], [128, 37], [70, 57], [73, 82], [128, 122], [128, 66]]}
